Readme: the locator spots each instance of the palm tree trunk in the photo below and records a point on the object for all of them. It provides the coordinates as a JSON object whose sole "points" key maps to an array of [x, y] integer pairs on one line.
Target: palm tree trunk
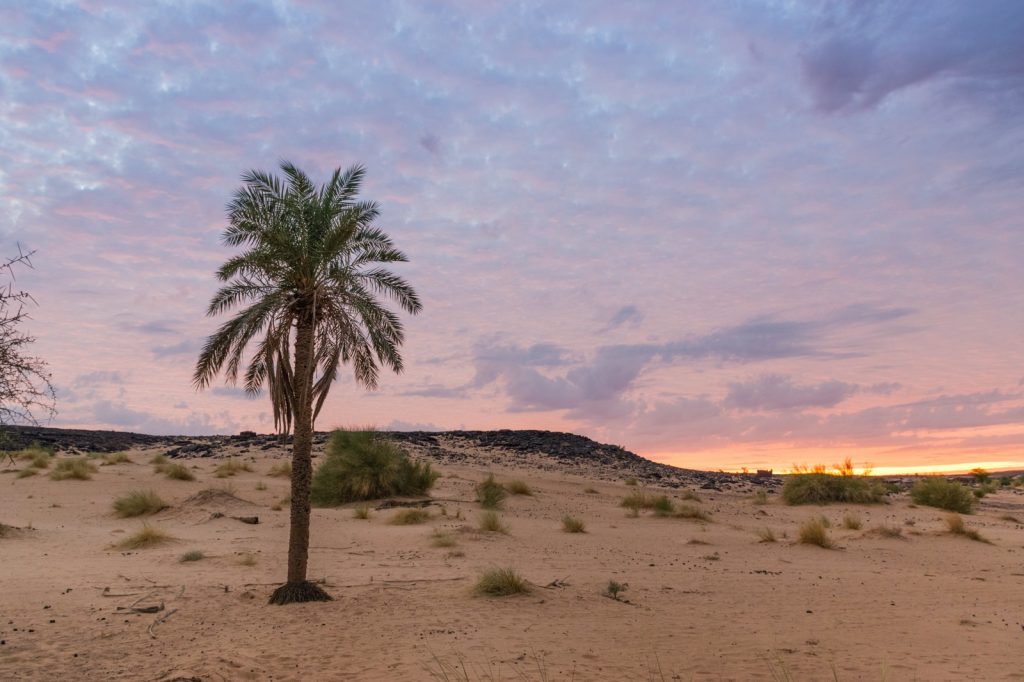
{"points": [[298, 588]]}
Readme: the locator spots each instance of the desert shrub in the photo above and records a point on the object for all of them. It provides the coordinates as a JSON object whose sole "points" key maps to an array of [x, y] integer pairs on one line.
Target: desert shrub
{"points": [[490, 494], [688, 511], [158, 462], [615, 588], [230, 467], [193, 555], [851, 522], [364, 465], [501, 582], [362, 512], [980, 475], [519, 488], [25, 473], [112, 458], [766, 535], [635, 501], [985, 489], [942, 493], [442, 539], [955, 524], [814, 533], [491, 522], [147, 536], [76, 468], [819, 488], [662, 506], [571, 524], [138, 503], [281, 470], [409, 517], [761, 497], [177, 472]]}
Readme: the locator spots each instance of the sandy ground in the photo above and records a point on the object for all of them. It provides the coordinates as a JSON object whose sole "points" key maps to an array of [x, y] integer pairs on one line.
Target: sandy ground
{"points": [[706, 601]]}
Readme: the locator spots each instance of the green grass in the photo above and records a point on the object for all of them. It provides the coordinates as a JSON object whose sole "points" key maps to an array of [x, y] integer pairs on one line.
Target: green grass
{"points": [[147, 536], [177, 472], [139, 503], [409, 517], [230, 467], [193, 555], [490, 494], [491, 522], [364, 465], [440, 538], [281, 470], [851, 522], [818, 488], [662, 506], [814, 532], [519, 488], [501, 582], [942, 493], [571, 524], [955, 525], [76, 468]]}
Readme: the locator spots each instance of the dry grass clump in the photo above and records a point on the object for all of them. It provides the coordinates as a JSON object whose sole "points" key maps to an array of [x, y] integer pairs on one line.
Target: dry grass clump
{"points": [[851, 522], [139, 503], [112, 458], [491, 522], [409, 517], [955, 525], [440, 538], [281, 470], [158, 462], [501, 582], [766, 535], [490, 494], [519, 488], [365, 465], [40, 459], [635, 501], [177, 472], [362, 512], [942, 493], [75, 468], [688, 511], [814, 532], [192, 555], [571, 524], [25, 473], [690, 495], [590, 490], [230, 468], [147, 536], [246, 559], [761, 497], [820, 488], [662, 506]]}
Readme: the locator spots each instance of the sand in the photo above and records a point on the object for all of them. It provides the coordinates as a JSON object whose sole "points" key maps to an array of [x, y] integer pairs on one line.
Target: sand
{"points": [[706, 601]]}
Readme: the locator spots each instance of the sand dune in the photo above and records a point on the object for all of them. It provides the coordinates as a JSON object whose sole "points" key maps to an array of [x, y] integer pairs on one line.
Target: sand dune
{"points": [[705, 600]]}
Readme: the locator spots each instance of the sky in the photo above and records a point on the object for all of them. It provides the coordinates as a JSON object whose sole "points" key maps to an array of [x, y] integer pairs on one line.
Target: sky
{"points": [[720, 234]]}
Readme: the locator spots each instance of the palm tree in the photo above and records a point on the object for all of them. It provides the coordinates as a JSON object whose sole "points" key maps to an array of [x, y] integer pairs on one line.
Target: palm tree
{"points": [[307, 285]]}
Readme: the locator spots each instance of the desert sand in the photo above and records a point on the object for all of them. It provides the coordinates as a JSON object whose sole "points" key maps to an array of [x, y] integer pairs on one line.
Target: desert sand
{"points": [[705, 600]]}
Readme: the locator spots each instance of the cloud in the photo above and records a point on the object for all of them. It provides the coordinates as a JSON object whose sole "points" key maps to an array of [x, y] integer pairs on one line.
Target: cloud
{"points": [[774, 392], [99, 378], [873, 50], [183, 347], [232, 392], [109, 414], [626, 315]]}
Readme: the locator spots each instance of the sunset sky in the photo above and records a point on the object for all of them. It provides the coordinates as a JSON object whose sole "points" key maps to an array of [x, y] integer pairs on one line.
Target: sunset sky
{"points": [[720, 234]]}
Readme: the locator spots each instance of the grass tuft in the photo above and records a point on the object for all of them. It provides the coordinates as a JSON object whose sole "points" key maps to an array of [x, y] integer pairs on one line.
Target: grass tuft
{"points": [[281, 470], [177, 472], [571, 524], [440, 538], [519, 488], [147, 536], [662, 506], [409, 517], [113, 458], [77, 468], [25, 473], [230, 467], [362, 512], [819, 488], [192, 555], [614, 589], [690, 495], [892, 532], [688, 511], [491, 522], [942, 493], [631, 480], [766, 535], [490, 494], [851, 522], [158, 462], [246, 559], [814, 533], [955, 524], [761, 497], [365, 465], [139, 503], [501, 582]]}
